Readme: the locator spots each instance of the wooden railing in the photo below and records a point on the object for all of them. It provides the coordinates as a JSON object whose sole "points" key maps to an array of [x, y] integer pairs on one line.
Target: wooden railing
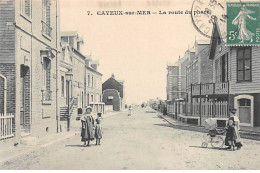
{"points": [[205, 109], [6, 126], [209, 89]]}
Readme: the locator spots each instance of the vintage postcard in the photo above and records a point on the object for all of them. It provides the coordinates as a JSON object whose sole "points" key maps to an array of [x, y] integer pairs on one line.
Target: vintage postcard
{"points": [[129, 84]]}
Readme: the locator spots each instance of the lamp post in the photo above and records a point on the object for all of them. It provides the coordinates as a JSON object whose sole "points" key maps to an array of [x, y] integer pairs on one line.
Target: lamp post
{"points": [[68, 76]]}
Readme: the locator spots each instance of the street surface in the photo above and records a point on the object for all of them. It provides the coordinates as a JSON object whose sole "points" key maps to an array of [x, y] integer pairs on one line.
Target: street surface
{"points": [[140, 141]]}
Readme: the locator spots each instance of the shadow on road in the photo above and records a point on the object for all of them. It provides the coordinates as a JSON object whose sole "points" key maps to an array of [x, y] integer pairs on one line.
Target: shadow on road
{"points": [[74, 145], [164, 125], [211, 148]]}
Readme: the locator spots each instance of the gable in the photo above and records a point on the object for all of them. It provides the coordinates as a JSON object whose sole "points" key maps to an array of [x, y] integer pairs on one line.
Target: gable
{"points": [[111, 83], [215, 39]]}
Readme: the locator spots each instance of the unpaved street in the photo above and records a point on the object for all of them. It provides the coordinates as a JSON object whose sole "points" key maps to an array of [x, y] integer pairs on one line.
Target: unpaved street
{"points": [[140, 141]]}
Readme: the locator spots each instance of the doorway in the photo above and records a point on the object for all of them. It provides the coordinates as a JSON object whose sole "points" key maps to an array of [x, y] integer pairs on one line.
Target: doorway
{"points": [[67, 92], [244, 105], [24, 91]]}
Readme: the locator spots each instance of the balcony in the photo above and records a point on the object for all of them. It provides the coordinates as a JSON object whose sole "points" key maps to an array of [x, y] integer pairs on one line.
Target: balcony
{"points": [[46, 30], [209, 89], [46, 97]]}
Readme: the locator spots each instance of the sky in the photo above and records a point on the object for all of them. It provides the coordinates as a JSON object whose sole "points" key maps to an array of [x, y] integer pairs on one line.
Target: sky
{"points": [[135, 48]]}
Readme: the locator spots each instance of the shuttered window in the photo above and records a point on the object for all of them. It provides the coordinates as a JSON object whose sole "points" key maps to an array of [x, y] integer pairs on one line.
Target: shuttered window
{"points": [[46, 12], [47, 74], [25, 7], [46, 17], [244, 68]]}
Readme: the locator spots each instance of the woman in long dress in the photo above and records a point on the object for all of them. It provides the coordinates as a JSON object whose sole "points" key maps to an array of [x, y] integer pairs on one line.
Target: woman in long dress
{"points": [[87, 131], [240, 20], [235, 119]]}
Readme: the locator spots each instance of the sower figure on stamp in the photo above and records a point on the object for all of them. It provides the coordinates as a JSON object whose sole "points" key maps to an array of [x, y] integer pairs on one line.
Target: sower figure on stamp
{"points": [[98, 131], [240, 20], [87, 131]]}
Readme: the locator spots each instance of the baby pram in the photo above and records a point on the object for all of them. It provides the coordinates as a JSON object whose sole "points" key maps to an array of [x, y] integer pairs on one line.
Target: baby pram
{"points": [[213, 136]]}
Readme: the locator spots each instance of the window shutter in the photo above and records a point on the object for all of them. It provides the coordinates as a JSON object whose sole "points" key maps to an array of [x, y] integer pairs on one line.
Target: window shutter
{"points": [[48, 13], [27, 7]]}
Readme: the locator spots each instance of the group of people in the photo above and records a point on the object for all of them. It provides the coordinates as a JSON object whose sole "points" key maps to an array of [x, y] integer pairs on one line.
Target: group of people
{"points": [[89, 130], [232, 139]]}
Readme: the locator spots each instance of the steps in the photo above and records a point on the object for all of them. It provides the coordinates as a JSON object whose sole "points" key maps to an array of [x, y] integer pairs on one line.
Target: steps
{"points": [[64, 112]]}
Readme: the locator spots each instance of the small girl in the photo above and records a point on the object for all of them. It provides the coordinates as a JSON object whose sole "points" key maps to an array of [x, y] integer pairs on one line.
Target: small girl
{"points": [[98, 132], [231, 137]]}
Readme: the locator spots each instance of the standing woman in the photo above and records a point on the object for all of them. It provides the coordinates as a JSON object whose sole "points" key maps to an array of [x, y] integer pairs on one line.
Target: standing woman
{"points": [[235, 119], [87, 131]]}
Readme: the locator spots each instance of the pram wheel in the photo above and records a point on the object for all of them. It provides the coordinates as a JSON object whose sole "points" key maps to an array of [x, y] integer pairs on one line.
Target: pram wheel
{"points": [[204, 144], [217, 142]]}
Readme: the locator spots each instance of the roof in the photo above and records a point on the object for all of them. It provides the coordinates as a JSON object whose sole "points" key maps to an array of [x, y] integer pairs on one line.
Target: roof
{"points": [[215, 36], [69, 33]]}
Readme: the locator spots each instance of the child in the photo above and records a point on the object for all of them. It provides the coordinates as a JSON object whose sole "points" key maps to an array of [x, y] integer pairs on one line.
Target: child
{"points": [[98, 132], [231, 135]]}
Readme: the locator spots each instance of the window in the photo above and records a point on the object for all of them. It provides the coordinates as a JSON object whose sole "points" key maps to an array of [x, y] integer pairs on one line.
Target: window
{"points": [[88, 80], [46, 17], [92, 98], [25, 7], [244, 64], [92, 82], [224, 68], [217, 75], [88, 98], [62, 86], [244, 102], [46, 74]]}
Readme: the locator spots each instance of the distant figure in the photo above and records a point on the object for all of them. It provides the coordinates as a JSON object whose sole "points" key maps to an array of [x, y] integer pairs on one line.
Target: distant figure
{"points": [[130, 110], [87, 131], [98, 132]]}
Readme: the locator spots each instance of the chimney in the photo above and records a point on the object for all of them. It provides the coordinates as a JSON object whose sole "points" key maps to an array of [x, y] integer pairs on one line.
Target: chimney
{"points": [[113, 76]]}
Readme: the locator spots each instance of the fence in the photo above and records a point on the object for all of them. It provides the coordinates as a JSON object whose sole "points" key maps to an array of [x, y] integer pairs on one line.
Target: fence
{"points": [[6, 126], [205, 109]]}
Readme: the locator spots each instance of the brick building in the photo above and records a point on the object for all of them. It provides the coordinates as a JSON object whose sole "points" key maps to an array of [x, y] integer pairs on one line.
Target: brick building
{"points": [[29, 52], [113, 94]]}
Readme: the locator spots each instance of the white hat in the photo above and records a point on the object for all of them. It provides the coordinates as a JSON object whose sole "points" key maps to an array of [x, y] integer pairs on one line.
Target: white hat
{"points": [[89, 107]]}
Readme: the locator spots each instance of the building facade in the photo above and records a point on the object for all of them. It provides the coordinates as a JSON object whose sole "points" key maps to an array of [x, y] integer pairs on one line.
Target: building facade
{"points": [[236, 72], [29, 54], [94, 86]]}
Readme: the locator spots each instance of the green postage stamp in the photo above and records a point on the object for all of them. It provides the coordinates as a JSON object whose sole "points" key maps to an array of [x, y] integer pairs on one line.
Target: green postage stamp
{"points": [[243, 23]]}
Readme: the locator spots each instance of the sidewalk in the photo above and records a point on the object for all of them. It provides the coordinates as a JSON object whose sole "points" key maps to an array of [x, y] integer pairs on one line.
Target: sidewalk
{"points": [[179, 125], [31, 144], [8, 151]]}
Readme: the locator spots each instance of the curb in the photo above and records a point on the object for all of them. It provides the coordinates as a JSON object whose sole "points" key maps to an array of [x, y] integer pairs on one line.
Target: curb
{"points": [[30, 149], [243, 134], [184, 127]]}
